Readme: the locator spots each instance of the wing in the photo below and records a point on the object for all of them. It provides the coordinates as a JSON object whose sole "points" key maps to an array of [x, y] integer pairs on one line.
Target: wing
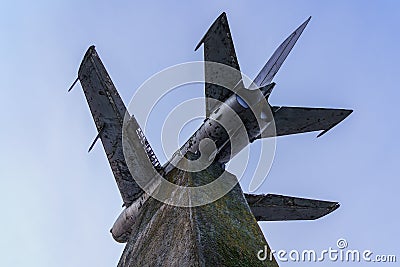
{"points": [[109, 112], [293, 120], [218, 47], [284, 208]]}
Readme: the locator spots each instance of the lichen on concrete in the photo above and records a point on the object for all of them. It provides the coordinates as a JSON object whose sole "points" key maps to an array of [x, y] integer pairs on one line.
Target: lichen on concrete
{"points": [[222, 233]]}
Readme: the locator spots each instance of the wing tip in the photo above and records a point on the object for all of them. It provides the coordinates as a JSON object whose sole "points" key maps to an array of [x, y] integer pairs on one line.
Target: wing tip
{"points": [[304, 24], [91, 51], [301, 28], [334, 206], [221, 19], [346, 113], [88, 52]]}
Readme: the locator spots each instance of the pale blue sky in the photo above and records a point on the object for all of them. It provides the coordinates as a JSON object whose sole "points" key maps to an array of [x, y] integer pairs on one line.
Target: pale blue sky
{"points": [[58, 202]]}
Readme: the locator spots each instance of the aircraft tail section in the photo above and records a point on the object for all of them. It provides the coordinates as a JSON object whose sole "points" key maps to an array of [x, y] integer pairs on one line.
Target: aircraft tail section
{"points": [[109, 113], [285, 208], [294, 120], [219, 48]]}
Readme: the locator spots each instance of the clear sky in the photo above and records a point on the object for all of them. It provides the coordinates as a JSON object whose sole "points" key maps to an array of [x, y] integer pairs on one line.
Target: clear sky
{"points": [[58, 202]]}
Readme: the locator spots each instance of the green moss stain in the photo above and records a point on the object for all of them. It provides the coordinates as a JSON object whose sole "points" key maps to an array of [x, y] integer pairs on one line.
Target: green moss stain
{"points": [[222, 233]]}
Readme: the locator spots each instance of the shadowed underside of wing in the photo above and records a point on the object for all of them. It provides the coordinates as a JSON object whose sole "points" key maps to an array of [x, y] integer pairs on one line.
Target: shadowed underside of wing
{"points": [[218, 47], [293, 120], [285, 208]]}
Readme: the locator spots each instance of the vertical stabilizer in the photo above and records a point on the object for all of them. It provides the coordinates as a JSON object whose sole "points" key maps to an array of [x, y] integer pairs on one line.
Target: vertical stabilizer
{"points": [[278, 57]]}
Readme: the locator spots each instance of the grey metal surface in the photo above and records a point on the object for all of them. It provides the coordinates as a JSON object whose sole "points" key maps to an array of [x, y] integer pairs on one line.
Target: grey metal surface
{"points": [[294, 120], [272, 66], [108, 113], [218, 47], [223, 232], [284, 208]]}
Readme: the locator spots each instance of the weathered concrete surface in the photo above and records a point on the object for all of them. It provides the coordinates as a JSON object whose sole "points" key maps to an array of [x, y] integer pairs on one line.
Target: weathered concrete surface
{"points": [[223, 233]]}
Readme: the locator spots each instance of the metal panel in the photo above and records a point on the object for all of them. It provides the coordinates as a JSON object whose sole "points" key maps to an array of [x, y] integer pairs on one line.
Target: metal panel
{"points": [[272, 66], [293, 120], [108, 113], [284, 208], [218, 47]]}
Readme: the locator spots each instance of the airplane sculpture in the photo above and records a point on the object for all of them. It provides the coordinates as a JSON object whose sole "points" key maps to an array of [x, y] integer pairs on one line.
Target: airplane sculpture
{"points": [[110, 115]]}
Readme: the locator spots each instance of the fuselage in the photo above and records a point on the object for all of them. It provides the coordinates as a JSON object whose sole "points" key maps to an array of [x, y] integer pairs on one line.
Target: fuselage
{"points": [[222, 128]]}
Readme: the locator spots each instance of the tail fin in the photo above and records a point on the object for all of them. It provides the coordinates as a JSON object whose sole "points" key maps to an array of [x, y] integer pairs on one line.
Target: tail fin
{"points": [[284, 208], [218, 47], [109, 113], [278, 57]]}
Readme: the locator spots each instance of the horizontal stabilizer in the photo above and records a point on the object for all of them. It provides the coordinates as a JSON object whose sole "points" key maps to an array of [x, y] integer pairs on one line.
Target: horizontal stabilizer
{"points": [[294, 120], [285, 208]]}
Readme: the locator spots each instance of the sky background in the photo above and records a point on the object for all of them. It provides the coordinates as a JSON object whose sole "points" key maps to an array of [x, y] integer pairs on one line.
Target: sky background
{"points": [[58, 202]]}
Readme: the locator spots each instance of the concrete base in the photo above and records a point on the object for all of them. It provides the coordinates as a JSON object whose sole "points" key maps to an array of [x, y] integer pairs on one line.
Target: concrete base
{"points": [[223, 233]]}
